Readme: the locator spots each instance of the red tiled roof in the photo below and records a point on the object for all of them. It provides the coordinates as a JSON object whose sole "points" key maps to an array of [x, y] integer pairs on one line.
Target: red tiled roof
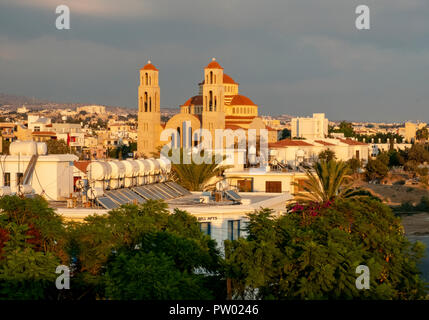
{"points": [[270, 129], [240, 117], [238, 122], [196, 100], [233, 127], [289, 143], [149, 66], [324, 143], [239, 100], [44, 133], [351, 142], [82, 165], [214, 65]]}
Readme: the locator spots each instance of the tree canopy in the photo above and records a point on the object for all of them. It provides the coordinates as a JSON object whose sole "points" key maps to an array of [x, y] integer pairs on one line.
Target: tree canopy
{"points": [[314, 255]]}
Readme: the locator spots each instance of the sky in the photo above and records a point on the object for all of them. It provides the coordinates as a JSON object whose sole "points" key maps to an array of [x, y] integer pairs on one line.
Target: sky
{"points": [[290, 56]]}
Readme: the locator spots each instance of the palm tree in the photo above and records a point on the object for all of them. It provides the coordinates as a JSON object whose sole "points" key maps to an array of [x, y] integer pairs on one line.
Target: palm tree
{"points": [[326, 180], [197, 176]]}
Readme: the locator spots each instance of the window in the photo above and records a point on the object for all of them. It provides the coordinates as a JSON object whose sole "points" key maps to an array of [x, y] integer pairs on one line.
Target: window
{"points": [[233, 229], [357, 154], [145, 102], [244, 185], [206, 228], [273, 186], [6, 179], [19, 178], [37, 128]]}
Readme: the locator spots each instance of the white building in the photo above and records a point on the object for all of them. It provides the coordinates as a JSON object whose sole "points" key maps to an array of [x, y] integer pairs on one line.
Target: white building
{"points": [[294, 152], [92, 109], [52, 176], [310, 128], [39, 123]]}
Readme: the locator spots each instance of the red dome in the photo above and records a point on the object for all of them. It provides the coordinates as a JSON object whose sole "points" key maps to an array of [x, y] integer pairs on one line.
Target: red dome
{"points": [[196, 100], [149, 66], [239, 100], [214, 65]]}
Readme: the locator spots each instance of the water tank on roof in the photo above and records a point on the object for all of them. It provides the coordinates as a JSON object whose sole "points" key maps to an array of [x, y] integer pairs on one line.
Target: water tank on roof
{"points": [[151, 166], [98, 170], [23, 148], [117, 169], [165, 164], [25, 189], [147, 166], [42, 148], [156, 165], [131, 168], [142, 167]]}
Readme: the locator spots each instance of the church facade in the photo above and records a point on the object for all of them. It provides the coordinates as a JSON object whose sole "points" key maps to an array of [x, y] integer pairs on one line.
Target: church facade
{"points": [[218, 105]]}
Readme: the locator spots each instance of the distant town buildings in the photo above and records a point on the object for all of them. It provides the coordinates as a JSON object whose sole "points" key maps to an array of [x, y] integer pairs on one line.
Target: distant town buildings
{"points": [[410, 129], [92, 109]]}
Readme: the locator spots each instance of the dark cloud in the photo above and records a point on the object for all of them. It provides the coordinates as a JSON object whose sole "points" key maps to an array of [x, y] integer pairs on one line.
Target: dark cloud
{"points": [[294, 57]]}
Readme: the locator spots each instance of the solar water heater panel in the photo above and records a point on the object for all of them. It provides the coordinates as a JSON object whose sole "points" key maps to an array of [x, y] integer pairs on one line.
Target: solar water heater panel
{"points": [[106, 203], [148, 194]]}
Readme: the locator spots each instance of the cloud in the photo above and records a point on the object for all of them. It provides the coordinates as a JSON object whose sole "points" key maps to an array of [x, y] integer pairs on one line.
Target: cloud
{"points": [[97, 8]]}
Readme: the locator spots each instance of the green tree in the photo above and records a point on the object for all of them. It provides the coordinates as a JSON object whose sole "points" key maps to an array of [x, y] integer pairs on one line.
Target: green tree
{"points": [[284, 134], [313, 254], [5, 146], [325, 181], [422, 134], [354, 164], [344, 127], [32, 238], [57, 146], [327, 155], [197, 176], [376, 169], [118, 255]]}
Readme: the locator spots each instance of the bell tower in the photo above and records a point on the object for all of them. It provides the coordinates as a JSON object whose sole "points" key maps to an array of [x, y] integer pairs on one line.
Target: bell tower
{"points": [[213, 115], [149, 116]]}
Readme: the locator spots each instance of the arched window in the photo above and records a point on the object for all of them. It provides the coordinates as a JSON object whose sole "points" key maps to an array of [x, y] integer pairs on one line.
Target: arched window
{"points": [[178, 138], [145, 102], [215, 103], [211, 77], [150, 81], [146, 77], [210, 100], [150, 104], [215, 79]]}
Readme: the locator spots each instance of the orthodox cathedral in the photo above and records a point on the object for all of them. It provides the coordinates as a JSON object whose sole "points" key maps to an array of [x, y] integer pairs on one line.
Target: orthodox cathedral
{"points": [[218, 105]]}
